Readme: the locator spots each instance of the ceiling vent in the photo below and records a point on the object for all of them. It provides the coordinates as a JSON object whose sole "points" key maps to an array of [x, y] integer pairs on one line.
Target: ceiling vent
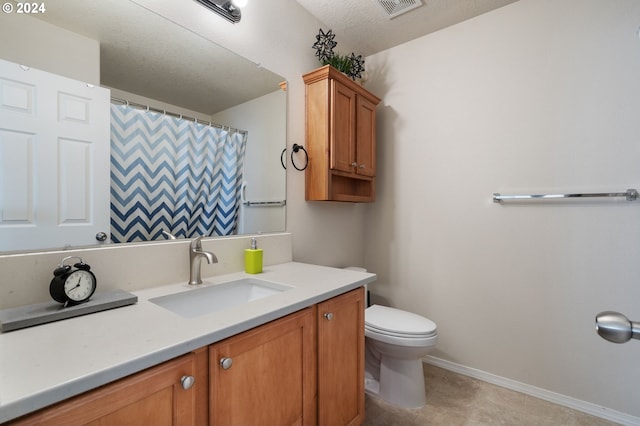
{"points": [[393, 8]]}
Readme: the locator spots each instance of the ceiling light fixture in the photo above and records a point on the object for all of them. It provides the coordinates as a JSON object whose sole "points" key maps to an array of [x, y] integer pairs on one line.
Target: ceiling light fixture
{"points": [[227, 9]]}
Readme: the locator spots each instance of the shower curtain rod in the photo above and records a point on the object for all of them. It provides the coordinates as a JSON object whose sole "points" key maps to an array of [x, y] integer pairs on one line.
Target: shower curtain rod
{"points": [[174, 114]]}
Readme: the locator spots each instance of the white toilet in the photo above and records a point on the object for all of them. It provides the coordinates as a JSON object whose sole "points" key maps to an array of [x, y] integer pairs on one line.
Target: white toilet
{"points": [[395, 342]]}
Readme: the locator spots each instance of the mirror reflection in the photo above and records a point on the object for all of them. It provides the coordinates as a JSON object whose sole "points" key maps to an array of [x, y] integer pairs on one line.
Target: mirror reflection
{"points": [[195, 132]]}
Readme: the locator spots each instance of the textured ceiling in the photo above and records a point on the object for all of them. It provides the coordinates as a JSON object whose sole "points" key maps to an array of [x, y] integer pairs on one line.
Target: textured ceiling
{"points": [[145, 54], [365, 26]]}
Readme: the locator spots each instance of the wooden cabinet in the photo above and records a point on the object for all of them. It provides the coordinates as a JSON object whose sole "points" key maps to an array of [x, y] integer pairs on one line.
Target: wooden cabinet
{"points": [[306, 368], [265, 376], [341, 359], [340, 138], [155, 396]]}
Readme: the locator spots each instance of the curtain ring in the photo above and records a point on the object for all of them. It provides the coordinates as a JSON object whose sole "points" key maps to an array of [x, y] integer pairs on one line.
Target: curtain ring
{"points": [[282, 158], [297, 148]]}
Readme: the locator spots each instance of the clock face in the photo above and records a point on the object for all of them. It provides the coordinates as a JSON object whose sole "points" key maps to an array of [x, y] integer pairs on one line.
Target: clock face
{"points": [[79, 286]]}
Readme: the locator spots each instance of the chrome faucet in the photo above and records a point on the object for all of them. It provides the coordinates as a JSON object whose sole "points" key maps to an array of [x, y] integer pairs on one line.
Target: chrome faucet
{"points": [[169, 235], [195, 258]]}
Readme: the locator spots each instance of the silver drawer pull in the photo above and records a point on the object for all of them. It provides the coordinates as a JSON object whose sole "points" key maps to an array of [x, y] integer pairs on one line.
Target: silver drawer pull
{"points": [[226, 363], [328, 316], [187, 382]]}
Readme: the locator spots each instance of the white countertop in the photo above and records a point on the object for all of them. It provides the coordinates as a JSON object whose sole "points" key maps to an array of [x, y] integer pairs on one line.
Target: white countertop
{"points": [[48, 363]]}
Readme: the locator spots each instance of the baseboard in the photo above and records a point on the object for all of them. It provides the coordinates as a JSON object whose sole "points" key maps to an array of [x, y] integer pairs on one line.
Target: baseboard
{"points": [[556, 398]]}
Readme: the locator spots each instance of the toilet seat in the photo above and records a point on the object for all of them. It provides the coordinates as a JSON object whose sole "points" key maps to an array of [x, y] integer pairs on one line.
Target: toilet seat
{"points": [[397, 334], [383, 320]]}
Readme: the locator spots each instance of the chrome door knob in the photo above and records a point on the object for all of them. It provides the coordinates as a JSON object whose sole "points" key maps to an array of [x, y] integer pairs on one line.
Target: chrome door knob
{"points": [[226, 363], [328, 316], [101, 236], [187, 382]]}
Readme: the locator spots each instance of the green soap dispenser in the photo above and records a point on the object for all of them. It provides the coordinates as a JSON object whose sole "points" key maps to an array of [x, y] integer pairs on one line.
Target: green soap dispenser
{"points": [[253, 258]]}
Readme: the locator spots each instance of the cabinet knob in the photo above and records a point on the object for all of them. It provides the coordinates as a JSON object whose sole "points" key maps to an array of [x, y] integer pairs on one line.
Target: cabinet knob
{"points": [[328, 315], [362, 166], [354, 164], [187, 382], [226, 363]]}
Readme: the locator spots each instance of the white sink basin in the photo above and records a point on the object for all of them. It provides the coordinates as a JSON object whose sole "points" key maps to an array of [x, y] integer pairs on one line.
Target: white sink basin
{"points": [[205, 300]]}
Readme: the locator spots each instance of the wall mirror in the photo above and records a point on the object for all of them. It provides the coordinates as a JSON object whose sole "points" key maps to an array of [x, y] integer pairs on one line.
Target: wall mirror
{"points": [[146, 59]]}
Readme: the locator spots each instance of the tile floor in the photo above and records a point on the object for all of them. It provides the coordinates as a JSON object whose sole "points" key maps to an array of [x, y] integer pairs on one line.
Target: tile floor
{"points": [[455, 399]]}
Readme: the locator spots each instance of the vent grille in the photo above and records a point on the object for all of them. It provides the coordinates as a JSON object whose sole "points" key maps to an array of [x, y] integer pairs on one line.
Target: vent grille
{"points": [[393, 8]]}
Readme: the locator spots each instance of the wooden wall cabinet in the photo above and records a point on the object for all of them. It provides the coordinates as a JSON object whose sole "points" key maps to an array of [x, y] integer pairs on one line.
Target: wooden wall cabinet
{"points": [[340, 138]]}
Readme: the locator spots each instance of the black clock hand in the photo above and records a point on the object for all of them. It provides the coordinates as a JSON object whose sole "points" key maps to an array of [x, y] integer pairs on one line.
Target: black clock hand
{"points": [[77, 285]]}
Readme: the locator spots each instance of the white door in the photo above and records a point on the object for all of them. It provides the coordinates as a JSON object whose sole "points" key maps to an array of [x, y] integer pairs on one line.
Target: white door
{"points": [[54, 160]]}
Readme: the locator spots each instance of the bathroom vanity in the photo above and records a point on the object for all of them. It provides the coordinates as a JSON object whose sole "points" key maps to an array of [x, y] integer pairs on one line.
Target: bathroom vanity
{"points": [[296, 357]]}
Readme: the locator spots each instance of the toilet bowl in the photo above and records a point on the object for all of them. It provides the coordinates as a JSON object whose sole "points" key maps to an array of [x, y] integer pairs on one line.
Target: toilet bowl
{"points": [[395, 342]]}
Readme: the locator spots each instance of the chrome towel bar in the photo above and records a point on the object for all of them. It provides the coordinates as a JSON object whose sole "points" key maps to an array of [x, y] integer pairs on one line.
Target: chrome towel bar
{"points": [[630, 195], [265, 203], [275, 203]]}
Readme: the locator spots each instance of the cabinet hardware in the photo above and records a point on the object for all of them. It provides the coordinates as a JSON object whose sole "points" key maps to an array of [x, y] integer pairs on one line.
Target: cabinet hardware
{"points": [[187, 382], [226, 363], [328, 316], [354, 164]]}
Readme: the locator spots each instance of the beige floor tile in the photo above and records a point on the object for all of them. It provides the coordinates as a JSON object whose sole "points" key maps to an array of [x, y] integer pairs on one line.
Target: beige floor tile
{"points": [[457, 400]]}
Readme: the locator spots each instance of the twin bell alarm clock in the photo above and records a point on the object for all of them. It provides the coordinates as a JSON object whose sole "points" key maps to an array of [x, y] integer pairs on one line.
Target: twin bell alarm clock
{"points": [[72, 284]]}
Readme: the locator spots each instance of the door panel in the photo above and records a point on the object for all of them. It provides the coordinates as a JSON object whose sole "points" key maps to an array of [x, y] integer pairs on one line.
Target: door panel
{"points": [[271, 378], [341, 359], [54, 153], [343, 144], [366, 137]]}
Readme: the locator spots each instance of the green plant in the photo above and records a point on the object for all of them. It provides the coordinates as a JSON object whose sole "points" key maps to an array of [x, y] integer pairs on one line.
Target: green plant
{"points": [[340, 62]]}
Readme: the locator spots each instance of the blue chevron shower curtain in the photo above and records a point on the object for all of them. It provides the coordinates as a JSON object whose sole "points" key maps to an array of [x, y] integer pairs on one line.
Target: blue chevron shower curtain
{"points": [[172, 174]]}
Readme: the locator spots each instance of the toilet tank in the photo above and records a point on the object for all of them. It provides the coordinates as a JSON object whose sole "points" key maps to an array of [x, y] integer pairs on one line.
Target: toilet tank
{"points": [[366, 290]]}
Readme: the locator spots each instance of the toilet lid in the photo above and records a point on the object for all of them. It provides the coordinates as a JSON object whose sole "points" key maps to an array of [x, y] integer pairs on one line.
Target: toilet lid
{"points": [[386, 320]]}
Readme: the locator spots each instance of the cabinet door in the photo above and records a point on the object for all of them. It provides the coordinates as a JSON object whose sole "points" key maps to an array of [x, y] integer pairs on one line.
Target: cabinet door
{"points": [[268, 375], [343, 127], [152, 397], [365, 137], [341, 359]]}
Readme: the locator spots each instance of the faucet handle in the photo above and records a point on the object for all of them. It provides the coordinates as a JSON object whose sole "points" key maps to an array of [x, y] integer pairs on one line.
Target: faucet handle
{"points": [[196, 243]]}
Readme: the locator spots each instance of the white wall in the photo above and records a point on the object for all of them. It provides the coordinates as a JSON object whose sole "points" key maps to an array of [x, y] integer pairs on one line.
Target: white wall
{"points": [[538, 96], [38, 44]]}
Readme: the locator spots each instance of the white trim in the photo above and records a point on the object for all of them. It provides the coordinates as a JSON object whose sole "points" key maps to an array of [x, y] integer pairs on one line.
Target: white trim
{"points": [[556, 398]]}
